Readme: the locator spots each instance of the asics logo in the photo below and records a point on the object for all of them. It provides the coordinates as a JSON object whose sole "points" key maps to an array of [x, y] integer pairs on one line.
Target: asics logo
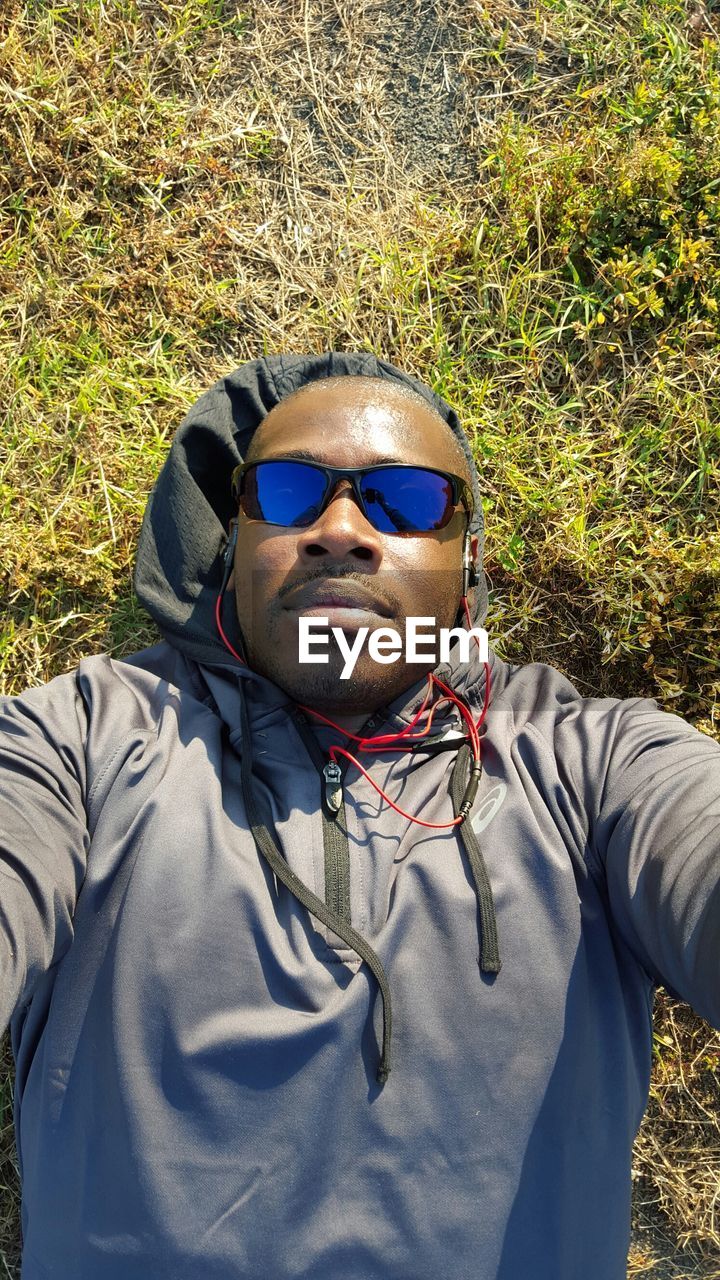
{"points": [[488, 808]]}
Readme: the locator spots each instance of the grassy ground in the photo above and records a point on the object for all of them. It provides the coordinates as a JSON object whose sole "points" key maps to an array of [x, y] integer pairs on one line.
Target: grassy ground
{"points": [[517, 201]]}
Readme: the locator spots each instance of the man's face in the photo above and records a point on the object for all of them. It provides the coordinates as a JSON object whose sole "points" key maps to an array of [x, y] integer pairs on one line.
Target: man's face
{"points": [[282, 574]]}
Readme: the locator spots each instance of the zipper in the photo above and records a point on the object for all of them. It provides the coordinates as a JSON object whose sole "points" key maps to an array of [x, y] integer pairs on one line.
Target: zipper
{"points": [[333, 785], [336, 847]]}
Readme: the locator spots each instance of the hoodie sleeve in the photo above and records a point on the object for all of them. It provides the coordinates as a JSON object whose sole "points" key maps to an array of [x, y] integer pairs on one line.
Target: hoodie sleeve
{"points": [[657, 833], [43, 833]]}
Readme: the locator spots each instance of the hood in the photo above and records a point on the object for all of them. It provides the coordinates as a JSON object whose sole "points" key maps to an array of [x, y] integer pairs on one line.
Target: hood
{"points": [[179, 576], [179, 569]]}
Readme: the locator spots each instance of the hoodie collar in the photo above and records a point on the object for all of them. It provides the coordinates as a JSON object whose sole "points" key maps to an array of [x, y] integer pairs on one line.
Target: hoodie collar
{"points": [[266, 699]]}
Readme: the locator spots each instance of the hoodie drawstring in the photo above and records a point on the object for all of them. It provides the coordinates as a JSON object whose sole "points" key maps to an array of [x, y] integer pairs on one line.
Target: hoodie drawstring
{"points": [[489, 950]]}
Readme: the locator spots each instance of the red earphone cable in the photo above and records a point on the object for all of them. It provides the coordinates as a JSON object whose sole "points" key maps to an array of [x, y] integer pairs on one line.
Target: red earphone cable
{"points": [[226, 642], [420, 821], [389, 741]]}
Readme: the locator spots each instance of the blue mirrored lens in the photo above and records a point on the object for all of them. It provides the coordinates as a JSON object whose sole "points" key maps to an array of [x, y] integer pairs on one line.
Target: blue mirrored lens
{"points": [[285, 493], [407, 500]]}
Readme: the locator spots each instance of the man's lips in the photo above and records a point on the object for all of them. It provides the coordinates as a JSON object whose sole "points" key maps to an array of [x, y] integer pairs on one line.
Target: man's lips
{"points": [[334, 598]]}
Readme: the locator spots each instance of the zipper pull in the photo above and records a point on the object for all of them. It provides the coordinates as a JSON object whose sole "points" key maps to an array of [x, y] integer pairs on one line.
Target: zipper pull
{"points": [[333, 785]]}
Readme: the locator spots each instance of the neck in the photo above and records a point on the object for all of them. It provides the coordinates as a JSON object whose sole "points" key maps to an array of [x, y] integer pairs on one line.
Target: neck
{"points": [[352, 724]]}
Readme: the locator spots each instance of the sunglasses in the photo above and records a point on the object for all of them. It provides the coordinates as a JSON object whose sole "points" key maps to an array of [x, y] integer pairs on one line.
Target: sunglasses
{"points": [[394, 497]]}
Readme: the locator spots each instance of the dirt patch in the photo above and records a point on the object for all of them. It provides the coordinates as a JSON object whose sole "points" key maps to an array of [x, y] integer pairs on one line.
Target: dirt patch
{"points": [[420, 56]]}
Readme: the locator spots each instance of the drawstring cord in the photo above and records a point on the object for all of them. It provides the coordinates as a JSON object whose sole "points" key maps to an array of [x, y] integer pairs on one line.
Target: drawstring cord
{"points": [[489, 950]]}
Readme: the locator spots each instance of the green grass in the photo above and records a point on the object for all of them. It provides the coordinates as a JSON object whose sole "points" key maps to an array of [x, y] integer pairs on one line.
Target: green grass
{"points": [[189, 184]]}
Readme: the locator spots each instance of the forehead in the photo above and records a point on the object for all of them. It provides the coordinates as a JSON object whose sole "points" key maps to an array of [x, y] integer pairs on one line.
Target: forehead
{"points": [[354, 427]]}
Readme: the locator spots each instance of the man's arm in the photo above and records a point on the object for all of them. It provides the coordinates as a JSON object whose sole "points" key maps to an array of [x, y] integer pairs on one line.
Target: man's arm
{"points": [[657, 834], [43, 833]]}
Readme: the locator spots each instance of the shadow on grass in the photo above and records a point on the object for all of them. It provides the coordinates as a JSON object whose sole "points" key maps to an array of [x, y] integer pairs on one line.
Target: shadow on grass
{"points": [[602, 646]]}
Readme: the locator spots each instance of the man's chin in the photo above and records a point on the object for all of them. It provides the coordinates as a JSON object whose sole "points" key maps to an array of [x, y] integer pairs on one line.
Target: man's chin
{"points": [[323, 689]]}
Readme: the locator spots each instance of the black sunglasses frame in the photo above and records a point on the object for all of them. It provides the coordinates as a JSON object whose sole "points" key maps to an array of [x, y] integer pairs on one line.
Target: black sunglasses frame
{"points": [[461, 491]]}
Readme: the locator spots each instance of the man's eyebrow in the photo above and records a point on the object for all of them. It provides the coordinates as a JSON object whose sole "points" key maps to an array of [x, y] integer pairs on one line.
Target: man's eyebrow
{"points": [[306, 455]]}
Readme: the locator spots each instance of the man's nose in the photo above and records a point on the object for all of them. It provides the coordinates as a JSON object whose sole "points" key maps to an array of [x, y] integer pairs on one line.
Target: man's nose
{"points": [[342, 532]]}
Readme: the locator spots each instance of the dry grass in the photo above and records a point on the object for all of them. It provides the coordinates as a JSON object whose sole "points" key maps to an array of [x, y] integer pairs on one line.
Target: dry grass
{"points": [[518, 203], [680, 1143]]}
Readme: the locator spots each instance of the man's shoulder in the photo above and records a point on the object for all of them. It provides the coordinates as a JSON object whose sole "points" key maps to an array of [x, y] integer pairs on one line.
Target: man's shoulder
{"points": [[591, 737], [539, 693], [160, 663], [147, 678], [116, 693], [538, 696]]}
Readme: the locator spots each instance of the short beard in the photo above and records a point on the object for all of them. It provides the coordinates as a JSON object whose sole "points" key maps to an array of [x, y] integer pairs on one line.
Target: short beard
{"points": [[319, 686]]}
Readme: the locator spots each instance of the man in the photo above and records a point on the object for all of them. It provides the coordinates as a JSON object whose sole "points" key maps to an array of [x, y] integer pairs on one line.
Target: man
{"points": [[203, 895]]}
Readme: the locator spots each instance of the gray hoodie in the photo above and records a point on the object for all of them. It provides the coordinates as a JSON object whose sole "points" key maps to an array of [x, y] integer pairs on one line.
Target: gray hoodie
{"points": [[200, 1041]]}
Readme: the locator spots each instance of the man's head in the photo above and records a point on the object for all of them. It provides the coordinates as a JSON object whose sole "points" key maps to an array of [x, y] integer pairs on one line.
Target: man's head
{"points": [[341, 566]]}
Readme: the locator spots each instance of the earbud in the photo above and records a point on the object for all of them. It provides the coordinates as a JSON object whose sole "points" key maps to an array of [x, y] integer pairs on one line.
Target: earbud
{"points": [[229, 552], [228, 556], [468, 566]]}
